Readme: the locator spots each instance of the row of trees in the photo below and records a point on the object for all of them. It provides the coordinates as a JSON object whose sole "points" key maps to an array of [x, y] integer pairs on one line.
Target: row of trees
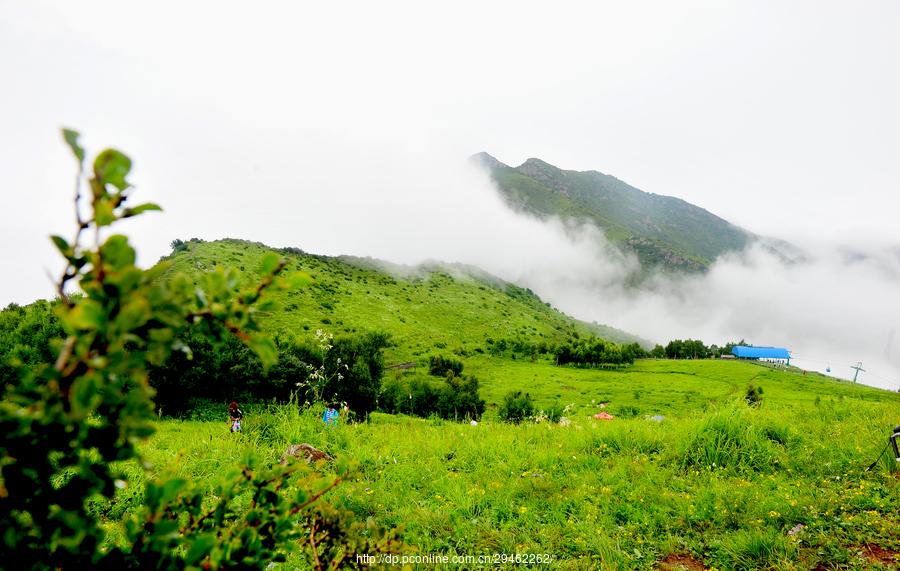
{"points": [[692, 349], [454, 398], [346, 369], [595, 352]]}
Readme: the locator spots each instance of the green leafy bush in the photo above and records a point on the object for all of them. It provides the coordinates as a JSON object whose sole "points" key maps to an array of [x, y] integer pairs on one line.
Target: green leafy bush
{"points": [[71, 423], [754, 395], [457, 399], [439, 366], [516, 407]]}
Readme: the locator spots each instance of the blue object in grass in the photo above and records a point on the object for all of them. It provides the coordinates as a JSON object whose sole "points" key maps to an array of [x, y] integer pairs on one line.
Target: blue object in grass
{"points": [[330, 417]]}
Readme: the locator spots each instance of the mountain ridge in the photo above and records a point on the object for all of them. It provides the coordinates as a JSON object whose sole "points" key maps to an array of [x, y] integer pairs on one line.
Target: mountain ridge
{"points": [[664, 232], [427, 308]]}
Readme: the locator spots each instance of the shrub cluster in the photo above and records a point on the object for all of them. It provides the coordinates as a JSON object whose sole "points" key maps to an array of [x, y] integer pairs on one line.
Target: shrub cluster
{"points": [[350, 369], [226, 370], [439, 366], [593, 352], [516, 407], [456, 398]]}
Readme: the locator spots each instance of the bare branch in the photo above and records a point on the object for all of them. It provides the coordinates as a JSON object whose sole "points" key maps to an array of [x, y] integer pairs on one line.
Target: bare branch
{"points": [[312, 544]]}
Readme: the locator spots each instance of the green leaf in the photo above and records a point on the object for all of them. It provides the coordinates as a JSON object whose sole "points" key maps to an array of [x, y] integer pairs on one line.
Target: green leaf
{"points": [[71, 138], [152, 495], [265, 349], [103, 212], [166, 529], [62, 246], [135, 312], [297, 280], [140, 209], [88, 314], [270, 263], [171, 488], [117, 253], [111, 167], [84, 393], [200, 548]]}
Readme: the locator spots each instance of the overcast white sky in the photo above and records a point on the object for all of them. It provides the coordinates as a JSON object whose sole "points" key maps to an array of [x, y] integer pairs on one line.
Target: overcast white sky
{"points": [[340, 127]]}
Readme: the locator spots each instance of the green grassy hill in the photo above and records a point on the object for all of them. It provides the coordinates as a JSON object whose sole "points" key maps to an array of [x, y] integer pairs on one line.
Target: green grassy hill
{"points": [[426, 309], [663, 231], [460, 310]]}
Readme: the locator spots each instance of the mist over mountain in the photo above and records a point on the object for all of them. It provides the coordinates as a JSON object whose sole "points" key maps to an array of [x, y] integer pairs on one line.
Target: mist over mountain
{"points": [[663, 268], [664, 232]]}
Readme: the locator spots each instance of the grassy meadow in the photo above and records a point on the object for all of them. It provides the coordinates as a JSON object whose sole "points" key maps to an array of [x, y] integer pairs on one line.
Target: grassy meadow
{"points": [[434, 307], [716, 484]]}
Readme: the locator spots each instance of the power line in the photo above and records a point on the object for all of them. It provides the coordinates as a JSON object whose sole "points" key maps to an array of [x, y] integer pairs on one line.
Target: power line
{"points": [[889, 379]]}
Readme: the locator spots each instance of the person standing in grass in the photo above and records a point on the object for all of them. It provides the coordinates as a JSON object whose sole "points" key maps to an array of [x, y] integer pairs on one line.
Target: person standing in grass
{"points": [[236, 415], [331, 415]]}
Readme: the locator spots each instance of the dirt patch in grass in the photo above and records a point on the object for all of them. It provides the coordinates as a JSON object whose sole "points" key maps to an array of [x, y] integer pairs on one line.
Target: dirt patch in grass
{"points": [[674, 562], [881, 555]]}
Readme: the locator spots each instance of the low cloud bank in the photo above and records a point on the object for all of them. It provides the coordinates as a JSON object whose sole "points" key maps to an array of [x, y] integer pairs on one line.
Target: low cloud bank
{"points": [[830, 311]]}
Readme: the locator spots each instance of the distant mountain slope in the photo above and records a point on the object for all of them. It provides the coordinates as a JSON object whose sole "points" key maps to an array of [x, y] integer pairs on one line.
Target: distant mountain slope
{"points": [[662, 231], [426, 309]]}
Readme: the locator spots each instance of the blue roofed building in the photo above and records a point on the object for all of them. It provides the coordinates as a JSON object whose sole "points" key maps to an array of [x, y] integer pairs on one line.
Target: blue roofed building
{"points": [[762, 353]]}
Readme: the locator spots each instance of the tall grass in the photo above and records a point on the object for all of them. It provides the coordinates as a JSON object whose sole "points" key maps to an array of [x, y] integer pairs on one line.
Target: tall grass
{"points": [[723, 485]]}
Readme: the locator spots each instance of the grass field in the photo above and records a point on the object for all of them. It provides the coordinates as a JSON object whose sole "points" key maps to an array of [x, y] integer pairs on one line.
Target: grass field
{"points": [[717, 483]]}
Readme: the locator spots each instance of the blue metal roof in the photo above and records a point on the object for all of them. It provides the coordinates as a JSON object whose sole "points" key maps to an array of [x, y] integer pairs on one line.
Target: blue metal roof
{"points": [[743, 352]]}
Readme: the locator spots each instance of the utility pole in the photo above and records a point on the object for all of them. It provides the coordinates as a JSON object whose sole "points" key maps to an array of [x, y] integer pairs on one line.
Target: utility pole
{"points": [[858, 368]]}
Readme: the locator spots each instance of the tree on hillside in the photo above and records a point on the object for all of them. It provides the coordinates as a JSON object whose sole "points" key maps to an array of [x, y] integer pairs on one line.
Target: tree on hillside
{"points": [[26, 337], [687, 349], [439, 366], [516, 407], [360, 382], [459, 399]]}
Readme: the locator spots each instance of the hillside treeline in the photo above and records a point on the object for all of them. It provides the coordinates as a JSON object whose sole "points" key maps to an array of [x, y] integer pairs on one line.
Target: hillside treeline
{"points": [[347, 369], [343, 369], [595, 352], [691, 349], [27, 336]]}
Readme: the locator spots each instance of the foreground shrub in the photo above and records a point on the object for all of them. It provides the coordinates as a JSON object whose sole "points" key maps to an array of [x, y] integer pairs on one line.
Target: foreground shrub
{"points": [[71, 424]]}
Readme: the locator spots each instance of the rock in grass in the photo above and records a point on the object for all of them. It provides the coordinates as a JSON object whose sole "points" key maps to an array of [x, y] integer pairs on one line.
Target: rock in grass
{"points": [[306, 451]]}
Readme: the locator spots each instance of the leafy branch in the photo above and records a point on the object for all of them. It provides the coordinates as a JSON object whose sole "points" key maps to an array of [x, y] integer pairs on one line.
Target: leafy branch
{"points": [[72, 423]]}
